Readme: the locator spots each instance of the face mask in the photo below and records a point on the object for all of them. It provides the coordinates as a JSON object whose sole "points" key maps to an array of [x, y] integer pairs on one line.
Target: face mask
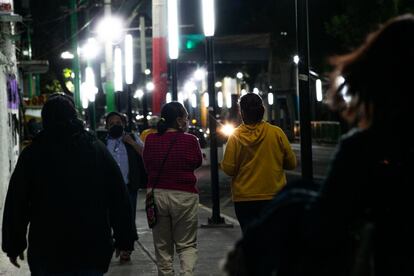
{"points": [[185, 126], [116, 131]]}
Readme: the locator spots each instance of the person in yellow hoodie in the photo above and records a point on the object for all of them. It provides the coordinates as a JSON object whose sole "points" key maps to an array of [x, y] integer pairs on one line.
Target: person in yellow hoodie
{"points": [[256, 155]]}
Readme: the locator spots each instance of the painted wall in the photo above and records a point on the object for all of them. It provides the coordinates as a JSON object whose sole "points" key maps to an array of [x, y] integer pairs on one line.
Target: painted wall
{"points": [[9, 113]]}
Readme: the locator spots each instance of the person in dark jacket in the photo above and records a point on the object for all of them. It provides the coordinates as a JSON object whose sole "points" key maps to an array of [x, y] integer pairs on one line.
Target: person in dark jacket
{"points": [[360, 223], [126, 149], [69, 190]]}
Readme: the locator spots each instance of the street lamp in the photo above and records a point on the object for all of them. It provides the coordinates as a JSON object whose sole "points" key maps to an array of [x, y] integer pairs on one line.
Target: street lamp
{"points": [[118, 76], [109, 30], [129, 74], [91, 49], [67, 55], [270, 100], [302, 24], [173, 43], [139, 93], [319, 95], [208, 11], [150, 86]]}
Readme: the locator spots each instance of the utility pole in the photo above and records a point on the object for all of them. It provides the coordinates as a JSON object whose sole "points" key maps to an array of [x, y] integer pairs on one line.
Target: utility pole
{"points": [[91, 107], [159, 54], [304, 91], [29, 46], [109, 85], [143, 47], [75, 61]]}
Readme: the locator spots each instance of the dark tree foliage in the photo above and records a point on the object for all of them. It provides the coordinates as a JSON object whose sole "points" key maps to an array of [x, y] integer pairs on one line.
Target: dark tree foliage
{"points": [[355, 18]]}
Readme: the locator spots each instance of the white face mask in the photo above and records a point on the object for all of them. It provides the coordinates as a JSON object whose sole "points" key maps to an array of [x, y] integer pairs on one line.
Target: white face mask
{"points": [[183, 122]]}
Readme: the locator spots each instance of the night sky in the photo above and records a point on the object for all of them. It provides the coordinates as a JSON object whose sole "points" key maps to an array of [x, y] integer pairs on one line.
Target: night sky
{"points": [[52, 26]]}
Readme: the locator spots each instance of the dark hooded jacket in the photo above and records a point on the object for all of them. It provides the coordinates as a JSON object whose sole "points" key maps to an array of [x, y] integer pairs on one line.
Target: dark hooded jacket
{"points": [[69, 189]]}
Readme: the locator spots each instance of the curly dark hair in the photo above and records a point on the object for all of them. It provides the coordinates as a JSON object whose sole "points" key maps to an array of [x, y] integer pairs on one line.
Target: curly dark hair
{"points": [[377, 76]]}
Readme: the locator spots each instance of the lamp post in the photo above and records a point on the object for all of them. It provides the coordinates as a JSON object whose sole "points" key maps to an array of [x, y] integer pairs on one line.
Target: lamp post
{"points": [[209, 27], [144, 70], [108, 30], [173, 43], [75, 61], [270, 101], [129, 75], [304, 91], [118, 76], [89, 51]]}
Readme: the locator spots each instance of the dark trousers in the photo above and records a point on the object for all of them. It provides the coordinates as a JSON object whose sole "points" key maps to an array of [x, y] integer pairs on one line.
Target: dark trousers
{"points": [[248, 211], [133, 195]]}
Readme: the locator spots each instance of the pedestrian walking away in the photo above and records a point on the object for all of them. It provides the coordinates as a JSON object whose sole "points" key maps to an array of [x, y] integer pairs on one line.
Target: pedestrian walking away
{"points": [[358, 224], [67, 189], [256, 155], [170, 157]]}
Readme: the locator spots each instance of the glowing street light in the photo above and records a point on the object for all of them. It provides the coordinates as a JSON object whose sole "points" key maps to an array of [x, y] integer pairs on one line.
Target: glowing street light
{"points": [[91, 49], [150, 86], [206, 99], [199, 74], [139, 93], [88, 88], [129, 74], [180, 97], [193, 100], [173, 36], [270, 98], [109, 29], [67, 55], [296, 59], [173, 39], [147, 72], [118, 79], [168, 97], [220, 99], [129, 59], [227, 129], [319, 95], [208, 17], [239, 75]]}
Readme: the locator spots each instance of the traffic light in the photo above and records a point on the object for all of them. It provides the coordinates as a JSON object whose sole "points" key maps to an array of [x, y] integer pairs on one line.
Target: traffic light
{"points": [[191, 41]]}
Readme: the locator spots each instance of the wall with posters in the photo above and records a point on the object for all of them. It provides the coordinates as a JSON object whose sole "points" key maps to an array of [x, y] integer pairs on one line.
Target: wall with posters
{"points": [[9, 108]]}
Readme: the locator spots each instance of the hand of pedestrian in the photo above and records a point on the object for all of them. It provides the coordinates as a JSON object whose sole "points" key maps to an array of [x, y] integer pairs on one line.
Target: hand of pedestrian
{"points": [[13, 260], [128, 139]]}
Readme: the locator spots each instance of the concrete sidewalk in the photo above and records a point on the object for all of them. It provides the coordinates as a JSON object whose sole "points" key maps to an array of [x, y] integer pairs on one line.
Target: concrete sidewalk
{"points": [[213, 245]]}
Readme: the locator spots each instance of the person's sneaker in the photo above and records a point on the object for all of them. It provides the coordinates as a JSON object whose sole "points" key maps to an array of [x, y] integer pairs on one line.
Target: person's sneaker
{"points": [[125, 257]]}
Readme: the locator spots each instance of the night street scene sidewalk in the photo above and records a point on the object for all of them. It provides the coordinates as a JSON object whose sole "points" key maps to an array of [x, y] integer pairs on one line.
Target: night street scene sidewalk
{"points": [[330, 76], [213, 245]]}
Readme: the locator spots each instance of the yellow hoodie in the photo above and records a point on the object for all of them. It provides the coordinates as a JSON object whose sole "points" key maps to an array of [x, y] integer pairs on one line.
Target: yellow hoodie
{"points": [[256, 156]]}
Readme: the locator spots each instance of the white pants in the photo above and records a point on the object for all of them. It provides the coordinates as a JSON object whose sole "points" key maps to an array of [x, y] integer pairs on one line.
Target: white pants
{"points": [[177, 223]]}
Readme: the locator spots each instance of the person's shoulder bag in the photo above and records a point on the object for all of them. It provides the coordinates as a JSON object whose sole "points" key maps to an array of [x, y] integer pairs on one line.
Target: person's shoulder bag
{"points": [[150, 205]]}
